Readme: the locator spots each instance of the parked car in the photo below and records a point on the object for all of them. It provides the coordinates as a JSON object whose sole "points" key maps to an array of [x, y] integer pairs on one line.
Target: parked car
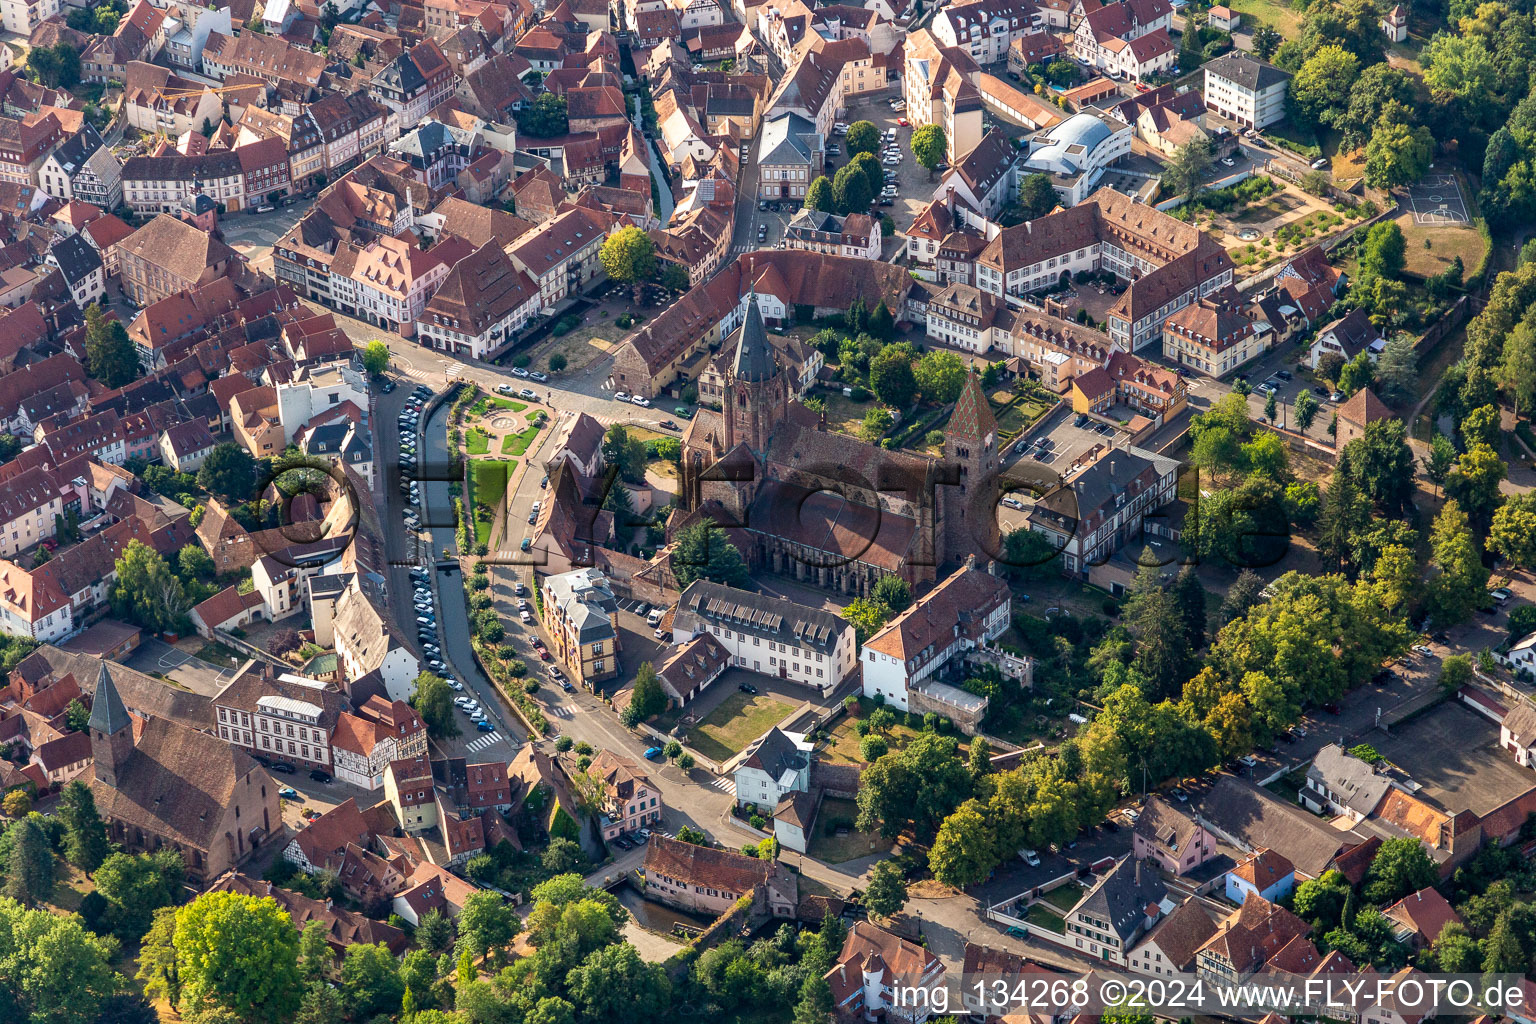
{"points": [[1319, 163], [653, 753], [518, 371], [621, 396], [667, 425], [622, 843], [528, 393], [288, 793], [566, 686], [538, 375], [320, 775], [641, 401], [505, 389], [747, 688], [485, 727], [1501, 594]]}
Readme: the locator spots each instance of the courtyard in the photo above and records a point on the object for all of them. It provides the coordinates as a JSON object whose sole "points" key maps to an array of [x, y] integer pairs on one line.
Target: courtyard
{"points": [[734, 723]]}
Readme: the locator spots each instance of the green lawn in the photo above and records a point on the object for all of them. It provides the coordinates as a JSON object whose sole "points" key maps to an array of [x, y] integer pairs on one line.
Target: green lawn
{"points": [[843, 744], [477, 441], [1065, 897], [1040, 916], [735, 722], [488, 402], [491, 480], [482, 532], [517, 444], [1015, 418], [835, 849], [1277, 14]]}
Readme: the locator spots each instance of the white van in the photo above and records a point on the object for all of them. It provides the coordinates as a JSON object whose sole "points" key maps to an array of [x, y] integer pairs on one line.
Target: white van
{"points": [[653, 618]]}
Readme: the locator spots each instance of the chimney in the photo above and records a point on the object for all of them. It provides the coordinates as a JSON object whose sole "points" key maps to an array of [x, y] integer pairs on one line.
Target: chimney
{"points": [[949, 198], [1138, 872]]}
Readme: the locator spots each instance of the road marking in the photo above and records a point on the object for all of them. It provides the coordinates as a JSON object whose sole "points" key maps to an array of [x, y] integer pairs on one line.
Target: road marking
{"points": [[724, 785], [484, 741]]}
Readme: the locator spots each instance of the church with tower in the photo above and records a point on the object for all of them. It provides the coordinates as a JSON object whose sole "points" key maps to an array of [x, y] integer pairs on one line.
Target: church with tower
{"points": [[824, 507], [161, 785]]}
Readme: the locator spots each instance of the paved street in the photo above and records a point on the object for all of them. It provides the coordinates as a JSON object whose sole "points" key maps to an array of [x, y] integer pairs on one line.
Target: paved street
{"points": [[253, 234]]}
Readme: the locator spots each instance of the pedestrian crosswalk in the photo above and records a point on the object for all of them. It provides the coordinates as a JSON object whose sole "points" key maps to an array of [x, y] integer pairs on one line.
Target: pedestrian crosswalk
{"points": [[742, 248], [724, 785], [559, 711], [484, 741]]}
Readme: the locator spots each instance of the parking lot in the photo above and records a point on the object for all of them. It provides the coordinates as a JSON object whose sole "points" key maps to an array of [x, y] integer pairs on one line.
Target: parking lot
{"points": [[1058, 441], [914, 189], [1286, 393]]}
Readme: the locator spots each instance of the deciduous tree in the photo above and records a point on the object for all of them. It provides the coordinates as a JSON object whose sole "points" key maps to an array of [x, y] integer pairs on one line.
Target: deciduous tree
{"points": [[929, 144], [229, 472], [629, 257], [891, 377], [1037, 196], [1461, 580], [940, 375], [239, 952], [53, 971], [1513, 534], [376, 357], [433, 701], [863, 137], [818, 196], [886, 892]]}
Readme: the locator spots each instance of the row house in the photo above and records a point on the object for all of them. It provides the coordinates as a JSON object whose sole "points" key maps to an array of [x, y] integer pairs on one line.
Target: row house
{"points": [[480, 305], [779, 638], [367, 739], [580, 614], [967, 610], [698, 243], [279, 717], [1102, 506], [139, 36], [1214, 336], [856, 235], [188, 24], [1152, 391], [366, 642], [393, 279], [53, 600], [159, 184], [986, 179], [561, 255], [265, 167], [353, 128], [939, 88], [436, 152], [157, 101], [300, 136], [25, 143], [31, 503], [986, 29], [99, 435], [84, 168], [20, 17], [1126, 40], [412, 84], [269, 58], [813, 89]]}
